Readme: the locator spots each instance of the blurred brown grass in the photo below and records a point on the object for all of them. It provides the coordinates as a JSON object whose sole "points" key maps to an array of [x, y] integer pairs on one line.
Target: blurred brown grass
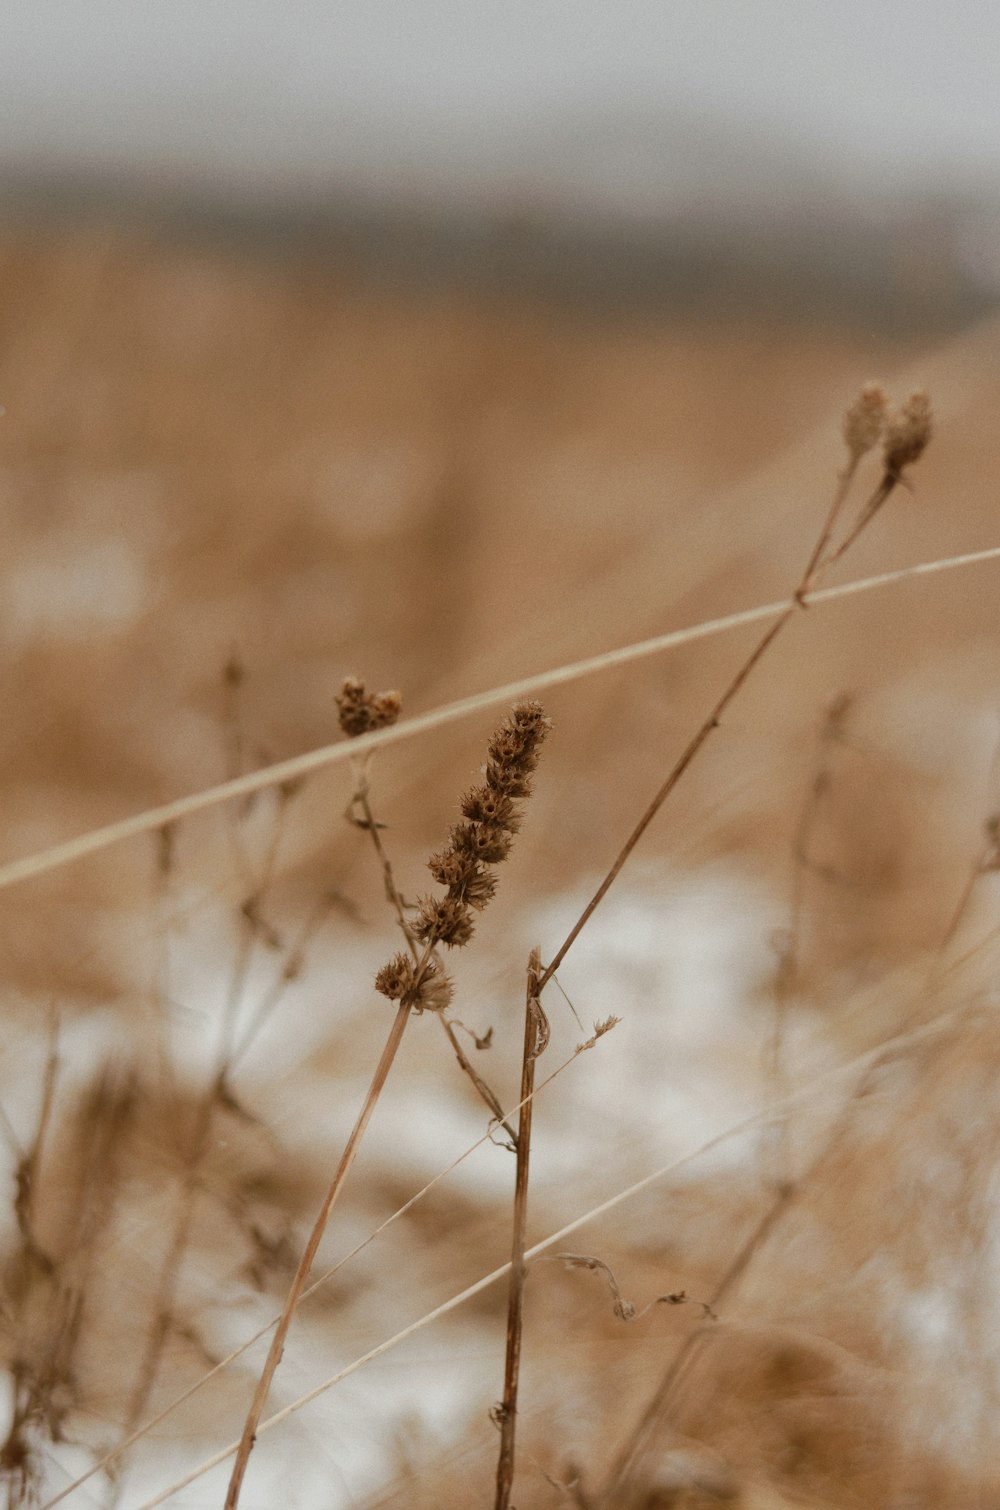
{"points": [[208, 453]]}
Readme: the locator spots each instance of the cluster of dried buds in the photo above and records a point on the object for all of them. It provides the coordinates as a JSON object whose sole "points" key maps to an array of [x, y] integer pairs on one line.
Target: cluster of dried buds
{"points": [[904, 433], [362, 712], [491, 816]]}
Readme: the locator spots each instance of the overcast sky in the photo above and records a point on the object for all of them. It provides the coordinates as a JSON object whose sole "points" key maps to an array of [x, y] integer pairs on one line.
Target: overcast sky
{"points": [[387, 92]]}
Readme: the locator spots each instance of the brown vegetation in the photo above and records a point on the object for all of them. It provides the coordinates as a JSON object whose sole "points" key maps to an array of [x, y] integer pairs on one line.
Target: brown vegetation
{"points": [[230, 482]]}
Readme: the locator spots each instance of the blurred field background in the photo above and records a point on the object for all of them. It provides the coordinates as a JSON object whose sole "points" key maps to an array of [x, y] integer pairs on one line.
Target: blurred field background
{"points": [[256, 443]]}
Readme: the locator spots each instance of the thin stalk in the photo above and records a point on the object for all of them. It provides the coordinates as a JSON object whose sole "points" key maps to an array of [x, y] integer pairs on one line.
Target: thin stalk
{"points": [[94, 841], [871, 508], [816, 561], [29, 1162], [820, 559], [306, 1261], [778, 1142], [485, 1091], [289, 971], [373, 827], [167, 1285], [374, 830], [535, 1037], [675, 774]]}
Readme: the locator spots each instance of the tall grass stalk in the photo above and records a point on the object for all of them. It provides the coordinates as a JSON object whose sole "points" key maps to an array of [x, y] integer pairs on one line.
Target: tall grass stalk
{"points": [[151, 820]]}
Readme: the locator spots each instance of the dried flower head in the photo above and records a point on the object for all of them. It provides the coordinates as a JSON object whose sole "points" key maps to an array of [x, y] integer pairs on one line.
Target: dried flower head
{"points": [[485, 842], [361, 711], [480, 841], [483, 804], [490, 808], [451, 868], [512, 754], [397, 980], [479, 888], [865, 420], [908, 433], [443, 920], [464, 876]]}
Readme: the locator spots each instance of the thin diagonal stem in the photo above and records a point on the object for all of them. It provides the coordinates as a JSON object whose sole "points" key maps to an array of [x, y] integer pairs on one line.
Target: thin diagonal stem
{"points": [[535, 1034], [820, 558], [816, 560], [69, 851], [674, 776], [373, 827], [871, 508], [306, 1261]]}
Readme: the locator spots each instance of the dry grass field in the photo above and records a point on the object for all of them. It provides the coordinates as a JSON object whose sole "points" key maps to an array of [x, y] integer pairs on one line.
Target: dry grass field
{"points": [[232, 478]]}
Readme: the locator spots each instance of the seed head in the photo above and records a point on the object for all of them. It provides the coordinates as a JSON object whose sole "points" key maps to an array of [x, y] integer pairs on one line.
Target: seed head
{"points": [[483, 804], [398, 981], [443, 920], [451, 868], [361, 711], [908, 433], [479, 889], [512, 754], [486, 842], [480, 841], [865, 420]]}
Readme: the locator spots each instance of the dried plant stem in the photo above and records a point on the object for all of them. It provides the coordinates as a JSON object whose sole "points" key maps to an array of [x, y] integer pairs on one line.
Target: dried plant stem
{"points": [[826, 533], [374, 830], [34, 1273], [871, 508], [29, 1160], [778, 1139], [746, 1124], [675, 774], [165, 1297], [783, 1202], [535, 1034], [69, 851], [369, 822], [289, 972], [164, 1302], [308, 1257], [817, 563], [985, 862], [484, 1090]]}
